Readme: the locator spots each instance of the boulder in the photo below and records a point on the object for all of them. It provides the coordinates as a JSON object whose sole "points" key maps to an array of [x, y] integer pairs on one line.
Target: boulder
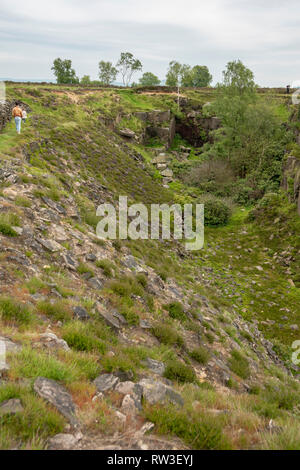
{"points": [[50, 245], [155, 366], [113, 319], [80, 313], [106, 382], [127, 133], [167, 173], [51, 341], [95, 283], [157, 392], [57, 395]]}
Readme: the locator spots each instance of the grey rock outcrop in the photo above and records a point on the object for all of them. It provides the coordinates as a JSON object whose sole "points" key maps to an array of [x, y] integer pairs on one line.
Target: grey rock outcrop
{"points": [[58, 396]]}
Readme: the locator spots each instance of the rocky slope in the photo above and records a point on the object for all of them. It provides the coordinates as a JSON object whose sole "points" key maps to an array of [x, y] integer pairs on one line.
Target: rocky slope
{"points": [[134, 344]]}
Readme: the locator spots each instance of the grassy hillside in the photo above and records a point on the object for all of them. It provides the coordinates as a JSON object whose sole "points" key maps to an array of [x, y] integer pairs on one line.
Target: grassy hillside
{"points": [[210, 332]]}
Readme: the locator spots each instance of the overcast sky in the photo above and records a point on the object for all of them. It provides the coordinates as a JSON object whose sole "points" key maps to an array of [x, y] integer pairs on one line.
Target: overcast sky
{"points": [[264, 34]]}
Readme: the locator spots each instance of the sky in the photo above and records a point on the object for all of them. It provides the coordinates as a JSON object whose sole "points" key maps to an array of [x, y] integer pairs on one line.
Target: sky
{"points": [[264, 34]]}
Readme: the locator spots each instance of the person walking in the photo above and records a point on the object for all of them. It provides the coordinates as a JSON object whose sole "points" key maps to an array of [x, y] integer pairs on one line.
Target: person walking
{"points": [[24, 115], [18, 114]]}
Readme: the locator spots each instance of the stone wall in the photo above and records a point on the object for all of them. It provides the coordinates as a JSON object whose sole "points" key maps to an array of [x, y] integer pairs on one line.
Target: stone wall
{"points": [[291, 179]]}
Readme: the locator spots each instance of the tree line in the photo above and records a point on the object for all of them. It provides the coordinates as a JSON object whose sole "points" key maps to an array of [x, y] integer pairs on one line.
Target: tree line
{"points": [[127, 65]]}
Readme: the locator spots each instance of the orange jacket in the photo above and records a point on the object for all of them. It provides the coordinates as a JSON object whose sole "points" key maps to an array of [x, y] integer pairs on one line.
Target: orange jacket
{"points": [[17, 112]]}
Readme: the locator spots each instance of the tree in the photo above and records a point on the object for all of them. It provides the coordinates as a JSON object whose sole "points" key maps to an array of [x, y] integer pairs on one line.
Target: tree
{"points": [[195, 77], [86, 80], [176, 73], [149, 79], [238, 79], [63, 71], [107, 73], [127, 66], [201, 76]]}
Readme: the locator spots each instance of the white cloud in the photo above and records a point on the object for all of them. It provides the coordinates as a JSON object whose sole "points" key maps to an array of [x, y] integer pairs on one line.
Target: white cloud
{"points": [[263, 34]]}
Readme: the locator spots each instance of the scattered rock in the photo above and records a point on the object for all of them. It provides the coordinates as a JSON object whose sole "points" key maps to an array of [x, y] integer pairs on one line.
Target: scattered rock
{"points": [[50, 245], [81, 313], [129, 406], [11, 407], [106, 382], [95, 283], [145, 325], [121, 417], [167, 173], [50, 340], [54, 205], [63, 442], [58, 396], [114, 319], [91, 257], [69, 261], [155, 366], [157, 392], [127, 133]]}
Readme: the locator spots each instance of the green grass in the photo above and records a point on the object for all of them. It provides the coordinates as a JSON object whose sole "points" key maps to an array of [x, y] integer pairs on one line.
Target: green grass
{"points": [[197, 431], [31, 428], [34, 285], [12, 312], [107, 267], [6, 226], [84, 269], [59, 311], [81, 337], [68, 368], [239, 365], [23, 201]]}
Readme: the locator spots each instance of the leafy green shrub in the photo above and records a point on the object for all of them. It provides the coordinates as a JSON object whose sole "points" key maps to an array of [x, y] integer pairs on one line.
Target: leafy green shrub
{"points": [[216, 212], [167, 335], [12, 311], [180, 372], [239, 365], [200, 355], [176, 311]]}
